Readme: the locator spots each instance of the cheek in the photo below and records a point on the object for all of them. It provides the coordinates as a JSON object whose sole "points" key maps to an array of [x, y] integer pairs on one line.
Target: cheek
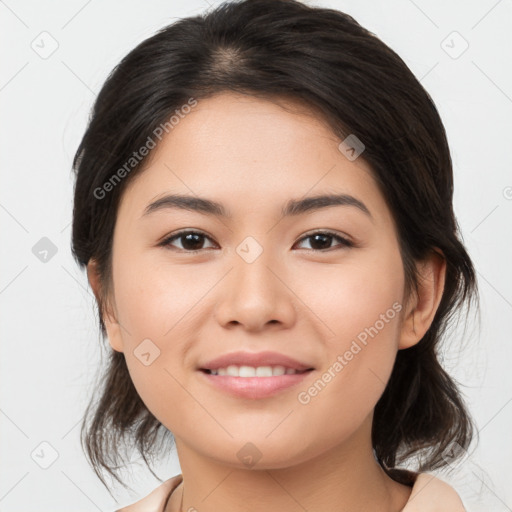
{"points": [[154, 301], [360, 304], [344, 392], [156, 307], [352, 296]]}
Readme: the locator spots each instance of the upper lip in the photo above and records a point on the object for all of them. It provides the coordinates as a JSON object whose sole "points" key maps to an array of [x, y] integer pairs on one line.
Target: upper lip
{"points": [[254, 359]]}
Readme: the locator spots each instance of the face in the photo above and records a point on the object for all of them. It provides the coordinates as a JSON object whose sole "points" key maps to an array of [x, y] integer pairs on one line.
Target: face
{"points": [[322, 286]]}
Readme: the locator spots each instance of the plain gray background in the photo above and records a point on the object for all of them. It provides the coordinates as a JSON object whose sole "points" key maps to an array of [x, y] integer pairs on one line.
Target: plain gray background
{"points": [[461, 51]]}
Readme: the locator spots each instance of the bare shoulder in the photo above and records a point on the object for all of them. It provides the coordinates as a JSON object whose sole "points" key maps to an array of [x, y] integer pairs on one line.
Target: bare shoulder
{"points": [[155, 500], [431, 494]]}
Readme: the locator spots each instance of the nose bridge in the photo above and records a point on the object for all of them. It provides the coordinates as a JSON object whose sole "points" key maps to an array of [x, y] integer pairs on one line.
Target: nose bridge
{"points": [[255, 295], [253, 261]]}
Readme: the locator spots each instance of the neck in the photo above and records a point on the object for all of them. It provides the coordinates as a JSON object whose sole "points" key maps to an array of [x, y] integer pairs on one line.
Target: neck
{"points": [[346, 478]]}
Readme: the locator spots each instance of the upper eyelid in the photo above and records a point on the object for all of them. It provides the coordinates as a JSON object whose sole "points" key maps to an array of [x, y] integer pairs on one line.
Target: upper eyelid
{"points": [[324, 231]]}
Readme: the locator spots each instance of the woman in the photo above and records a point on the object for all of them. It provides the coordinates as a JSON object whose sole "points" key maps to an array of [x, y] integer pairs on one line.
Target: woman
{"points": [[263, 203]]}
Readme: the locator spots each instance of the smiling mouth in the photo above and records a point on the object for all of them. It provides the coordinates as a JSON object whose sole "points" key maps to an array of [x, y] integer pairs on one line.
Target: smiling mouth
{"points": [[243, 371]]}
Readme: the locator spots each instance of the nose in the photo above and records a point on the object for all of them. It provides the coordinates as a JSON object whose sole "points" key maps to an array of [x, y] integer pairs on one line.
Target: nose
{"points": [[256, 295]]}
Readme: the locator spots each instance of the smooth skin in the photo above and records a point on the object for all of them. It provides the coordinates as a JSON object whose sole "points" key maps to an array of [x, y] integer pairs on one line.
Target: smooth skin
{"points": [[304, 300]]}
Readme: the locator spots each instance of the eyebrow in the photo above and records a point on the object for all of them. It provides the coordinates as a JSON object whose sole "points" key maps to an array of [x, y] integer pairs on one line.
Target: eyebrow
{"points": [[291, 208]]}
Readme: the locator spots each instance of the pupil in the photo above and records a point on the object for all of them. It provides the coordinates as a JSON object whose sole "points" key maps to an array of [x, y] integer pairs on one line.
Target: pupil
{"points": [[190, 239], [314, 244]]}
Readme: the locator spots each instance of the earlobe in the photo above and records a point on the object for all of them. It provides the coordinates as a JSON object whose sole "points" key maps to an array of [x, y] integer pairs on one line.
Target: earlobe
{"points": [[109, 318], [422, 309]]}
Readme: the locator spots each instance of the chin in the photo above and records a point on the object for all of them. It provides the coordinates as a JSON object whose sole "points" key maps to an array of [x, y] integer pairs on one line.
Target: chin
{"points": [[259, 453]]}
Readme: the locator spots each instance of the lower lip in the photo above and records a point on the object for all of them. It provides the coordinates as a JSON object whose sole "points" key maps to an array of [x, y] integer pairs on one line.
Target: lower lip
{"points": [[255, 387]]}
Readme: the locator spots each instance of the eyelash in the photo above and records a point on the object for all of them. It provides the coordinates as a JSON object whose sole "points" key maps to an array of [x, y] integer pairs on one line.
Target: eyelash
{"points": [[343, 241]]}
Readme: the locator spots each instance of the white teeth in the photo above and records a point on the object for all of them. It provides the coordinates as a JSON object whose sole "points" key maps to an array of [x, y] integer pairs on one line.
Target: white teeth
{"points": [[251, 371], [244, 371], [261, 371], [278, 370], [232, 371]]}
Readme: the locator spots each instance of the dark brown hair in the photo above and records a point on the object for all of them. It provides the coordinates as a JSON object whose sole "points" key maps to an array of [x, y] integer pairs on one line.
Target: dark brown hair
{"points": [[324, 59]]}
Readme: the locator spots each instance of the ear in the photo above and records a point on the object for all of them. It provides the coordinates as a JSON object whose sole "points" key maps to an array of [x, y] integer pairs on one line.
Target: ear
{"points": [[109, 317], [423, 305]]}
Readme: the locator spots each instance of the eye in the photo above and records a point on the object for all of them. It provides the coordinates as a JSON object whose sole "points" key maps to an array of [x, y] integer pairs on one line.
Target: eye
{"points": [[191, 241], [321, 240]]}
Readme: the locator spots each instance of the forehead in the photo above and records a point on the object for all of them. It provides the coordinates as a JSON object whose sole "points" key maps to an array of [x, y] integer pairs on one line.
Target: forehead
{"points": [[251, 152]]}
